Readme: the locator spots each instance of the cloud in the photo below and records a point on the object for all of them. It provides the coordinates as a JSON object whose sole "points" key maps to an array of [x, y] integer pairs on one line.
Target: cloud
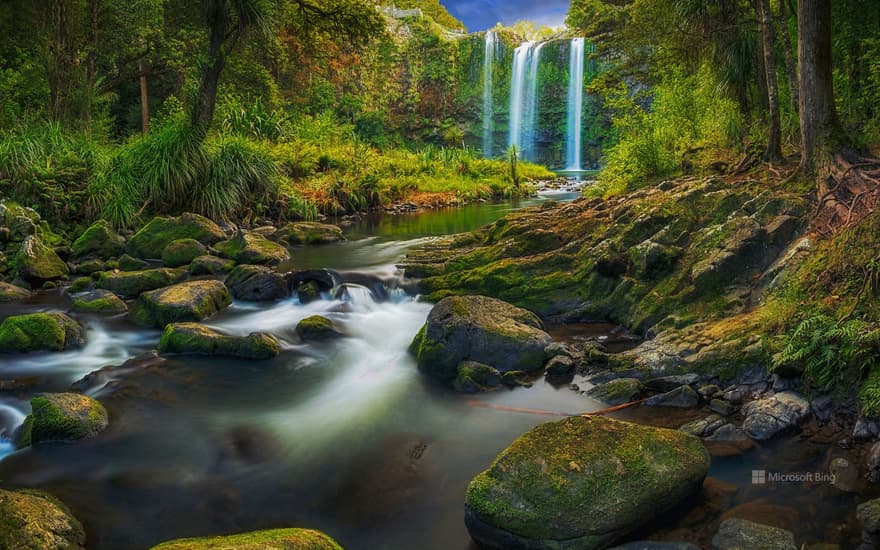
{"points": [[478, 15]]}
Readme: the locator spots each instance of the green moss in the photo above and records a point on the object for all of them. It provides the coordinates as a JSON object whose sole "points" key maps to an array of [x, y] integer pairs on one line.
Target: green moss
{"points": [[316, 327], [210, 265], [250, 248], [274, 539], [100, 302], [80, 284], [152, 239], [308, 233], [40, 332], [133, 283], [12, 293], [127, 263], [192, 338], [184, 302], [33, 520], [62, 417], [182, 252], [99, 241], [37, 262]]}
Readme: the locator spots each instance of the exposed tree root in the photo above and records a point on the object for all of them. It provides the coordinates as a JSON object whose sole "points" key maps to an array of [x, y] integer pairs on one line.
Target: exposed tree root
{"points": [[849, 189]]}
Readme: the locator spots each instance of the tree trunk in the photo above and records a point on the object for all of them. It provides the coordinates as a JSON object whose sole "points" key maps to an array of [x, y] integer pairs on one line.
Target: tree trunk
{"points": [[145, 100], [788, 59], [219, 20], [817, 113], [90, 60], [774, 143]]}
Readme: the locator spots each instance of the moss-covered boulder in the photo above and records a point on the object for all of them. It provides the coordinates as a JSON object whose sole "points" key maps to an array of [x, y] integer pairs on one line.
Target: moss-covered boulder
{"points": [[40, 332], [31, 520], [193, 338], [61, 417], [254, 283], [99, 301], [87, 267], [308, 233], [100, 240], [481, 329], [182, 252], [582, 483], [476, 377], [210, 265], [273, 539], [130, 284], [192, 301], [251, 248], [741, 534], [152, 239], [12, 293], [37, 263], [130, 263], [317, 327], [81, 284], [617, 392]]}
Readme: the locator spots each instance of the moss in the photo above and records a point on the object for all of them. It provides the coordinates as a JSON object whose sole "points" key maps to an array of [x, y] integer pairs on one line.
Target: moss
{"points": [[62, 417], [182, 252], [37, 262], [80, 284], [274, 539], [40, 332], [210, 265], [127, 263], [12, 293], [250, 248], [133, 283], [615, 392], [316, 327], [100, 302], [99, 241], [475, 377], [88, 267], [33, 520], [192, 338], [184, 302], [152, 239], [308, 233]]}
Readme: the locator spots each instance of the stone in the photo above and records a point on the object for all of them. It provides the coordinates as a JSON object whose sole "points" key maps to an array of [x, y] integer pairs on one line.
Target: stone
{"points": [[741, 534], [560, 366], [38, 263], [865, 430], [308, 292], [131, 284], [308, 233], [821, 408], [61, 417], [36, 520], [317, 327], [210, 265], [325, 279], [684, 397], [151, 240], [87, 267], [193, 338], [703, 427], [250, 248], [128, 263], [845, 473], [516, 379], [476, 377], [617, 392], [99, 241], [654, 545], [81, 284], [481, 329], [582, 483], [192, 301], [40, 332], [12, 293], [722, 407], [873, 462], [668, 383], [868, 514], [253, 283], [274, 539], [558, 349], [770, 416], [99, 301], [182, 252], [652, 260]]}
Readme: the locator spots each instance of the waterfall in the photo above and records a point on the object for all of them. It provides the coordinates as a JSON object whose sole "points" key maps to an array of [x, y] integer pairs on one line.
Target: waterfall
{"points": [[575, 104], [517, 88], [530, 116], [488, 106]]}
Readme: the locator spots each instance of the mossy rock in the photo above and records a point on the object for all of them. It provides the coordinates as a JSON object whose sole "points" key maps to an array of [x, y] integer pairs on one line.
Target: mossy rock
{"points": [[308, 291], [210, 265], [192, 301], [308, 233], [273, 539], [81, 284], [182, 252], [99, 301], [582, 483], [481, 329], [12, 293], [152, 239], [193, 338], [132, 283], [617, 392], [33, 520], [100, 240], [87, 267], [317, 327], [476, 377], [61, 417], [128, 263], [40, 332], [37, 263], [253, 283], [250, 248]]}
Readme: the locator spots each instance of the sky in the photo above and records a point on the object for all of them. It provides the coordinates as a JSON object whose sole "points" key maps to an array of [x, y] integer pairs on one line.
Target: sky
{"points": [[479, 15]]}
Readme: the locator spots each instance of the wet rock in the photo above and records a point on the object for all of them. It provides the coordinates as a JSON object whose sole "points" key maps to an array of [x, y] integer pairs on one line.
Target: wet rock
{"points": [[779, 383], [723, 407], [476, 377], [192, 301], [81, 284], [865, 430], [308, 233], [130, 284], [253, 283], [61, 417], [128, 263], [89, 267], [845, 473], [99, 241], [728, 440], [33, 519], [37, 263], [308, 292], [12, 293], [317, 327], [684, 397], [182, 252], [652, 260], [210, 265], [40, 332], [617, 392], [821, 408], [482, 329], [873, 462], [558, 349], [770, 416], [99, 301], [323, 278], [560, 367], [868, 514], [152, 239], [516, 379], [669, 383], [193, 338], [585, 481], [740, 534], [288, 539], [654, 545], [703, 427], [249, 248]]}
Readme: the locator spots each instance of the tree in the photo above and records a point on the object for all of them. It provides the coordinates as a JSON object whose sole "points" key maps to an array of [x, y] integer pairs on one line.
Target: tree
{"points": [[768, 40]]}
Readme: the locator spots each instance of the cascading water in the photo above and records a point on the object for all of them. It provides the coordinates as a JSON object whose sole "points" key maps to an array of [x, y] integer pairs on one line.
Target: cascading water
{"points": [[491, 42], [575, 105], [521, 57], [530, 123]]}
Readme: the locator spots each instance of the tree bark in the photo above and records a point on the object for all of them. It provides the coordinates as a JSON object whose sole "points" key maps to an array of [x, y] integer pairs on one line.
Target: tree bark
{"points": [[817, 112], [768, 36], [145, 100], [92, 56], [219, 20], [788, 59]]}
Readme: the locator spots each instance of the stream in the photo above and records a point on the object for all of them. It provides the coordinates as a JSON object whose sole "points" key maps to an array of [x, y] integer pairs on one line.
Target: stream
{"points": [[343, 436]]}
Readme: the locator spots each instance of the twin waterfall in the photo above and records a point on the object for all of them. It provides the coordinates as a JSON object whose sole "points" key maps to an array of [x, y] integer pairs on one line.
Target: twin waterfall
{"points": [[525, 105]]}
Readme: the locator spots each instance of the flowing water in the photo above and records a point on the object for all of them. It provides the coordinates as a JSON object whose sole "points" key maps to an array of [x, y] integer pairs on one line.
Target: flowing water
{"points": [[522, 57], [575, 105], [343, 436], [490, 45]]}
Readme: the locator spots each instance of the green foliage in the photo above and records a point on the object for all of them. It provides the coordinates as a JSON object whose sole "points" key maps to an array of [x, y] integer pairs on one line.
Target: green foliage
{"points": [[869, 394]]}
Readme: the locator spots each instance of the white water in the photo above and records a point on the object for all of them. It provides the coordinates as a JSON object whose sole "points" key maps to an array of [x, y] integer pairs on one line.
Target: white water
{"points": [[521, 57], [575, 105], [530, 125], [491, 42]]}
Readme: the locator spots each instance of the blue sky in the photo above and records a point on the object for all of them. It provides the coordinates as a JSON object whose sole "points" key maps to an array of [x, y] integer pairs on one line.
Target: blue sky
{"points": [[479, 15]]}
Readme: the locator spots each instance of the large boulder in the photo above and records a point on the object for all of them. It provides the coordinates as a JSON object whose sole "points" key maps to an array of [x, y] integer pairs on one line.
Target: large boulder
{"points": [[308, 233], [182, 252], [131, 284], [779, 413], [12, 293], [99, 301], [254, 283], [192, 301], [40, 332], [481, 329], [152, 239], [193, 338], [61, 417], [36, 520], [210, 265], [741, 534], [37, 263], [274, 539], [251, 248], [582, 483], [100, 240]]}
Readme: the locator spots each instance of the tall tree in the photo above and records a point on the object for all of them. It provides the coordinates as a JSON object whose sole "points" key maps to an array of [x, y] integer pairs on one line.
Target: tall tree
{"points": [[817, 111], [768, 40]]}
